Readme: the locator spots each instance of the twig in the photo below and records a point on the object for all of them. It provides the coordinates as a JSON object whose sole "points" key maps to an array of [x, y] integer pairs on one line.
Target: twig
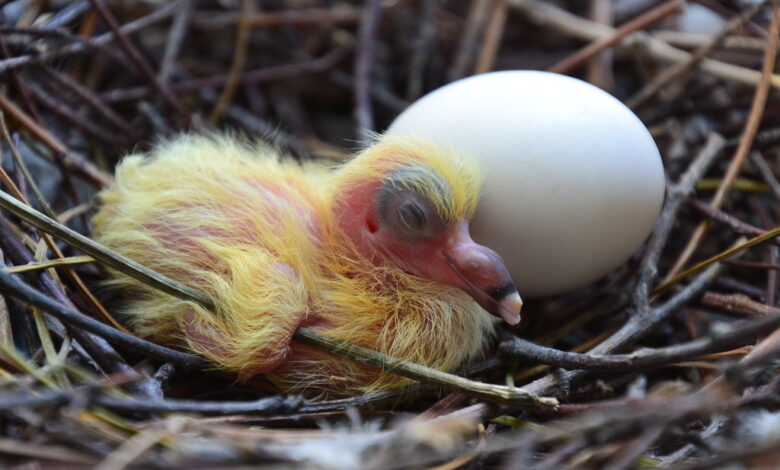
{"points": [[99, 351], [11, 285], [626, 459], [84, 45], [95, 102], [420, 57], [641, 22], [737, 336], [677, 194], [253, 77], [545, 13], [136, 57], [290, 17], [69, 159], [766, 172], [650, 90], [237, 65], [75, 278], [41, 265], [600, 67], [467, 46], [492, 39], [739, 247], [740, 227], [450, 382], [263, 407], [364, 65], [737, 304], [102, 254], [751, 127], [176, 37]]}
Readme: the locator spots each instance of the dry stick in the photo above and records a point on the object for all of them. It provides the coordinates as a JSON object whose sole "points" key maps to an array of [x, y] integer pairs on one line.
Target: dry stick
{"points": [[10, 284], [627, 457], [697, 40], [22, 166], [719, 257], [99, 252], [66, 15], [475, 22], [500, 394], [492, 39], [766, 172], [641, 22], [254, 77], [740, 227], [599, 68], [137, 58], [42, 265], [756, 265], [737, 304], [175, 40], [95, 102], [494, 393], [267, 406], [75, 278], [84, 45], [66, 113], [364, 65], [69, 159], [546, 14], [289, 17], [422, 49], [237, 65], [751, 127], [738, 335], [92, 347], [17, 82], [650, 89]]}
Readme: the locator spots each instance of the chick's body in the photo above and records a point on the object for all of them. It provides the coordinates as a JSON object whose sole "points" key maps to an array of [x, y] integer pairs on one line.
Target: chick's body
{"points": [[263, 237]]}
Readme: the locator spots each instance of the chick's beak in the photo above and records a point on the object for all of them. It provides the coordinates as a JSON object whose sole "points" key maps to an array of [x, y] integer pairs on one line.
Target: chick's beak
{"points": [[483, 275]]}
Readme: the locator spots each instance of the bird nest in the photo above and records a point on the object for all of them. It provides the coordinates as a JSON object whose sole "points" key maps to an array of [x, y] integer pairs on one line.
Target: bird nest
{"points": [[669, 362]]}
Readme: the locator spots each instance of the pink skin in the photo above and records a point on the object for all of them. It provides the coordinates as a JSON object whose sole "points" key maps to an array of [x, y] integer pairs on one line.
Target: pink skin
{"points": [[451, 257]]}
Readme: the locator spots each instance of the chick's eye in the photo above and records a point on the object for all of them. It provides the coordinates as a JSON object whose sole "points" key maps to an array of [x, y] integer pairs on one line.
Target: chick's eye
{"points": [[412, 216]]}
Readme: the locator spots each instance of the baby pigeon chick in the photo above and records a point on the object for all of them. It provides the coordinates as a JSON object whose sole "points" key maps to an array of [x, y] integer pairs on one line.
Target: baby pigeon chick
{"points": [[376, 252]]}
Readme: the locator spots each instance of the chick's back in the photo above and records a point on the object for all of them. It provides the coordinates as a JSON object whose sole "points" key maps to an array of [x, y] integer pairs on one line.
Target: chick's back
{"points": [[228, 219]]}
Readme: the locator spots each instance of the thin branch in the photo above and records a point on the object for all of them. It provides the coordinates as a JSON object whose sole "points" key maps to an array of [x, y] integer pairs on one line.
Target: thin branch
{"points": [[364, 66], [652, 88], [450, 382], [738, 335], [84, 45], [641, 22], [11, 285], [745, 143], [41, 265], [101, 253], [239, 58], [135, 55]]}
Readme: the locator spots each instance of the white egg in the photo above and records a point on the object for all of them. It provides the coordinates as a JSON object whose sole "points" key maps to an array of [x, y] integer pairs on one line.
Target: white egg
{"points": [[573, 180]]}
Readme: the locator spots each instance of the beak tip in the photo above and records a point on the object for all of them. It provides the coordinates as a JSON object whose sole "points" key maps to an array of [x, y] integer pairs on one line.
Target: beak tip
{"points": [[510, 308]]}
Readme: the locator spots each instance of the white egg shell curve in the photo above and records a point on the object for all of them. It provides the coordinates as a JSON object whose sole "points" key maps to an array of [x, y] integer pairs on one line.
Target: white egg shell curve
{"points": [[574, 182]]}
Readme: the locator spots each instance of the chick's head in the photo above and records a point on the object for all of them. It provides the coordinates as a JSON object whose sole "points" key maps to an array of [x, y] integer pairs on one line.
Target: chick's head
{"points": [[407, 203]]}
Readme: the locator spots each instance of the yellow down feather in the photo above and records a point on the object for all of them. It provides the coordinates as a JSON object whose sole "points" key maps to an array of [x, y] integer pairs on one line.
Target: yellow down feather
{"points": [[257, 233]]}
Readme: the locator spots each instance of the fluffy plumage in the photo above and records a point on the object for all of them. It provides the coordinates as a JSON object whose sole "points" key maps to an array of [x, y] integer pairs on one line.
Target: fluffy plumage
{"points": [[280, 244]]}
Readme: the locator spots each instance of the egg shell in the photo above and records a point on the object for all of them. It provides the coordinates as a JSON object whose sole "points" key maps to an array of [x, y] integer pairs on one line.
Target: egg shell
{"points": [[573, 180]]}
